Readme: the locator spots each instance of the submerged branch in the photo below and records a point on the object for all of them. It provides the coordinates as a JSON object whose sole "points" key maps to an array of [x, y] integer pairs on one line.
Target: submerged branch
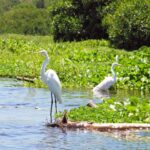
{"points": [[25, 79]]}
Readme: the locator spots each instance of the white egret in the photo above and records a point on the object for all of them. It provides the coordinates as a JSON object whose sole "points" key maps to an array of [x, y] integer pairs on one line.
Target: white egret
{"points": [[51, 79], [108, 81]]}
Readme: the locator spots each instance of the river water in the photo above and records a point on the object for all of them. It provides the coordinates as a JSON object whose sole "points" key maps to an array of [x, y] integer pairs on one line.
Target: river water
{"points": [[25, 111]]}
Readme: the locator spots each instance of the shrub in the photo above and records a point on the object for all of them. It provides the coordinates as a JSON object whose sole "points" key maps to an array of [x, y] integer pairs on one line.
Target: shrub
{"points": [[79, 19], [25, 20], [128, 23], [6, 5], [66, 26]]}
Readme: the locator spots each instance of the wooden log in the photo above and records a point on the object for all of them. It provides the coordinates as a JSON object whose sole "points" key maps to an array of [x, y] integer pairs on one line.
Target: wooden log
{"points": [[103, 127], [108, 126], [25, 79]]}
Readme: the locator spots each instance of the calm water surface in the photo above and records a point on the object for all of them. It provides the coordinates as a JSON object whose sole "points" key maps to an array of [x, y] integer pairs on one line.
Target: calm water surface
{"points": [[24, 112]]}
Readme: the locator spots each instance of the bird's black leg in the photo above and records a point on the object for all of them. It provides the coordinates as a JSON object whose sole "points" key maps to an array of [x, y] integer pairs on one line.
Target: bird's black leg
{"points": [[56, 105], [51, 107]]}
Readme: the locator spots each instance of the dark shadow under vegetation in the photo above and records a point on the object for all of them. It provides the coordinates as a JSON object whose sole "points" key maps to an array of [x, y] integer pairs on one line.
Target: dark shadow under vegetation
{"points": [[79, 20], [128, 23]]}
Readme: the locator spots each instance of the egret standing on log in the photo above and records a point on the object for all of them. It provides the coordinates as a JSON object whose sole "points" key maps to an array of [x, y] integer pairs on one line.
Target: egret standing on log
{"points": [[51, 79], [108, 81]]}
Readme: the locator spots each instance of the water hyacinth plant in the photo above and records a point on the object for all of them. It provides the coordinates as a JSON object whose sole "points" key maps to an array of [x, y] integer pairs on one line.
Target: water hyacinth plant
{"points": [[131, 110], [78, 64]]}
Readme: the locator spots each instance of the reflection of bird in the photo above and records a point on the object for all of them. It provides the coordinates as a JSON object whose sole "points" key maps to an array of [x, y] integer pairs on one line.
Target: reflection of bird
{"points": [[50, 78], [108, 81], [102, 94]]}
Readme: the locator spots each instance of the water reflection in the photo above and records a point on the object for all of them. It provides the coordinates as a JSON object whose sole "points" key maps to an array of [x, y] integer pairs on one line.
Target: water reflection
{"points": [[119, 94], [101, 94], [138, 136], [77, 139]]}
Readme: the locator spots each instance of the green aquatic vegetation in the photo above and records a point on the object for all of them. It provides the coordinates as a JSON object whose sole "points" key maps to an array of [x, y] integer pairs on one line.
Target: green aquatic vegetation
{"points": [[135, 72], [131, 110], [78, 64]]}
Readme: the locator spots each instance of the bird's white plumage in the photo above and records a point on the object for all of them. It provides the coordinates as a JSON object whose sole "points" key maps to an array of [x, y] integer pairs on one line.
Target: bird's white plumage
{"points": [[53, 84], [105, 84], [50, 78], [108, 81]]}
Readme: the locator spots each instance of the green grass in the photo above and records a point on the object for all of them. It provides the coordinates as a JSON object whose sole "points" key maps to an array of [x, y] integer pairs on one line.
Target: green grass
{"points": [[131, 110], [78, 64]]}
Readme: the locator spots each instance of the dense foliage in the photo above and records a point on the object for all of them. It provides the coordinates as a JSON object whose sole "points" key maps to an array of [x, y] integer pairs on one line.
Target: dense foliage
{"points": [[25, 20], [66, 26], [128, 23], [131, 110], [78, 64], [125, 23], [79, 19], [6, 5], [25, 16]]}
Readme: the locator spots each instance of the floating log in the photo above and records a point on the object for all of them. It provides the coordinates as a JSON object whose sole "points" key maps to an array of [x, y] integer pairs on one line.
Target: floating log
{"points": [[108, 126], [25, 79], [103, 127]]}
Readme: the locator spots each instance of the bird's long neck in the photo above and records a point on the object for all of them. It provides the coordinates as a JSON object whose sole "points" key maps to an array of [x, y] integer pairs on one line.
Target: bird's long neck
{"points": [[43, 68], [113, 72]]}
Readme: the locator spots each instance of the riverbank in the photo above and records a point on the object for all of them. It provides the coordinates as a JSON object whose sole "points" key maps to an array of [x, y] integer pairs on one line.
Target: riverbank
{"points": [[128, 110], [78, 64], [111, 115]]}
